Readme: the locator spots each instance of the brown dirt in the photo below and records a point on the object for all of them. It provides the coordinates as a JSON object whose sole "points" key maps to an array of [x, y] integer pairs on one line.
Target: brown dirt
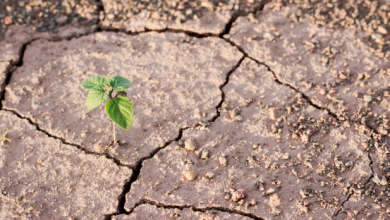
{"points": [[147, 211], [41, 178], [287, 111], [197, 68], [307, 165]]}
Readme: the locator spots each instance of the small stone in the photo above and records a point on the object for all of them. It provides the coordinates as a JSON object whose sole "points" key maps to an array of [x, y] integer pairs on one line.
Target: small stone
{"points": [[268, 36], [260, 186], [227, 196], [205, 123], [190, 175], [253, 202], [190, 144], [110, 16], [274, 200], [305, 138], [238, 118], [381, 30], [338, 164], [275, 211], [270, 191], [241, 202], [272, 113], [383, 181], [206, 4], [205, 154], [233, 113], [8, 20], [207, 216], [239, 194], [209, 175], [367, 98], [376, 179], [349, 164], [286, 156], [222, 161], [302, 193]]}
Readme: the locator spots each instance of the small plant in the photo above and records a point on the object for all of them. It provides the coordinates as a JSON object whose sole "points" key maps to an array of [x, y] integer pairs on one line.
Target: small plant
{"points": [[4, 138], [119, 108]]}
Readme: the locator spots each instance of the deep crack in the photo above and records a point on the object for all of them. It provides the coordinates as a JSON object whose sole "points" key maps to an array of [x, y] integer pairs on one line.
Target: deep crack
{"points": [[194, 208], [238, 14], [116, 161], [136, 172], [137, 168], [223, 85]]}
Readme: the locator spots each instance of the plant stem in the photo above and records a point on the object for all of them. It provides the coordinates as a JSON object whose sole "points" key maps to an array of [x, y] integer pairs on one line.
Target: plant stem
{"points": [[114, 131]]}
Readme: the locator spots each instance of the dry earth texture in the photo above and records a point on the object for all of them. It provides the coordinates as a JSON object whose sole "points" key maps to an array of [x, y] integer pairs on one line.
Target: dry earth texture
{"points": [[243, 110]]}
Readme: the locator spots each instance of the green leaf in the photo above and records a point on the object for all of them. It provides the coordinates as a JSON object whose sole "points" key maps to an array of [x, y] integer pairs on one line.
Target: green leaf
{"points": [[118, 83], [96, 96], [93, 81], [120, 110]]}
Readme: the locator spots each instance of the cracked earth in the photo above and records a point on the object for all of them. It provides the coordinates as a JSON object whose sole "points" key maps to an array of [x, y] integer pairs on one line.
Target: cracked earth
{"points": [[264, 110]]}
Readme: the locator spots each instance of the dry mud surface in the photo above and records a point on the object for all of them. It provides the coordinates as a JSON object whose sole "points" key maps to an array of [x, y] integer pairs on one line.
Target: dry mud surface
{"points": [[256, 110], [41, 178]]}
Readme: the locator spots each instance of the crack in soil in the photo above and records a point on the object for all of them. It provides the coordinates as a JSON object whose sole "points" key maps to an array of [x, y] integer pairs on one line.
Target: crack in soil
{"points": [[223, 85], [194, 208], [240, 13], [280, 82], [116, 161], [364, 185], [136, 172], [137, 168]]}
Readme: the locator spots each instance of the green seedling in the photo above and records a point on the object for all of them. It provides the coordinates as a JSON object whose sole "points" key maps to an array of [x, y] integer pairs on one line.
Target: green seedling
{"points": [[119, 108], [4, 138]]}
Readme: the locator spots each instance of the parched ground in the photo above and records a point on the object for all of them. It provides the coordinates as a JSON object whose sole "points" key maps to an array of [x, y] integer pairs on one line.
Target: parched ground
{"points": [[243, 110]]}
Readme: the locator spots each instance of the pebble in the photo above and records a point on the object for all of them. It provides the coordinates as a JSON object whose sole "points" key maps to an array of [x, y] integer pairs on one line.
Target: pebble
{"points": [[239, 194], [381, 30], [8, 20], [270, 191], [209, 175], [383, 181], [274, 200], [110, 16], [286, 156], [305, 138], [338, 164], [272, 113], [190, 175], [367, 98], [190, 144], [206, 4], [349, 164], [222, 161], [268, 36], [238, 118], [204, 123], [205, 154], [207, 216]]}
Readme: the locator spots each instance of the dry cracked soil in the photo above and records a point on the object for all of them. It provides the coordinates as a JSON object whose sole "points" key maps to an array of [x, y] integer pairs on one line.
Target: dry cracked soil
{"points": [[243, 110]]}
